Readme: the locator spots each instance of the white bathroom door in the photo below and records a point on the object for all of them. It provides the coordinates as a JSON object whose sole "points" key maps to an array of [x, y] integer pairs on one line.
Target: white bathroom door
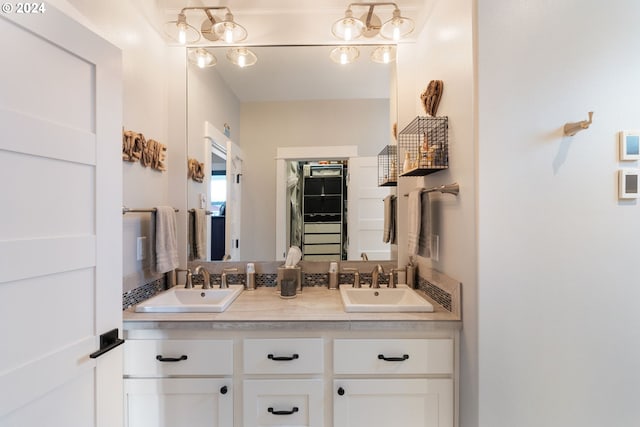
{"points": [[60, 222], [365, 217], [234, 201]]}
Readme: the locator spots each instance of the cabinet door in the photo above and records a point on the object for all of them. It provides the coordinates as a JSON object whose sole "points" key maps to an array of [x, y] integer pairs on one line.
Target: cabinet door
{"points": [[393, 402], [283, 403], [177, 402]]}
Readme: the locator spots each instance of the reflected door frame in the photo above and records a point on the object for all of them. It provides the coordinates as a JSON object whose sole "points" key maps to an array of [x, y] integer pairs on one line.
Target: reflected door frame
{"points": [[285, 154]]}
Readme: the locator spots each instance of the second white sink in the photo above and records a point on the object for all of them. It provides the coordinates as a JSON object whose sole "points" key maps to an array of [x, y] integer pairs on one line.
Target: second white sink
{"points": [[399, 299], [180, 300]]}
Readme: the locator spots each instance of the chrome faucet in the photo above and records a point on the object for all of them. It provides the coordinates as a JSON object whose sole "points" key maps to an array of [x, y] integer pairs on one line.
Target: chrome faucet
{"points": [[206, 277], [375, 274], [223, 277]]}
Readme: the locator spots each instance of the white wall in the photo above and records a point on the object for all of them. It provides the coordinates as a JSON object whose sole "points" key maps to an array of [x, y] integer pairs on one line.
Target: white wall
{"points": [[268, 125], [147, 82], [558, 290], [444, 51]]}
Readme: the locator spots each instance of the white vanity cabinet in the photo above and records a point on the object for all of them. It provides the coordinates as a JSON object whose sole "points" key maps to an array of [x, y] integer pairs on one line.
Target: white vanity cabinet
{"points": [[330, 374], [271, 396], [383, 382], [171, 383]]}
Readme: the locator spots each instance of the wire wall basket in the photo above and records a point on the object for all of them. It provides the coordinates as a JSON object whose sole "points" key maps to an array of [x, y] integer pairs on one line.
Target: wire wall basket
{"points": [[388, 166], [423, 146]]}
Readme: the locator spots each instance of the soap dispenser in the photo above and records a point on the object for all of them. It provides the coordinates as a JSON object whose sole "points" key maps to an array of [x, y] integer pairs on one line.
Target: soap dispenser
{"points": [[333, 275], [251, 276]]}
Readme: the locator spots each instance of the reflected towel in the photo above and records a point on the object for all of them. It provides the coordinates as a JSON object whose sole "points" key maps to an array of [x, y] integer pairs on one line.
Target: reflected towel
{"points": [[199, 234], [166, 242], [388, 233], [414, 218], [424, 239]]}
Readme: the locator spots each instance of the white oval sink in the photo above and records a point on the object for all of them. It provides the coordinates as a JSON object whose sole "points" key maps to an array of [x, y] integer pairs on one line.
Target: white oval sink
{"points": [[399, 299], [181, 300]]}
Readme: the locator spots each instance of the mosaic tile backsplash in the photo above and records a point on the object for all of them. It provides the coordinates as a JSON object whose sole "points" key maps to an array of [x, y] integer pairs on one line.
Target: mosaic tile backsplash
{"points": [[145, 292], [142, 293]]}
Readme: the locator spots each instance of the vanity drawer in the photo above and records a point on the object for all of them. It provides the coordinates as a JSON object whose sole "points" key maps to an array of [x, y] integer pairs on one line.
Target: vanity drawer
{"points": [[284, 356], [393, 356], [293, 402], [161, 358]]}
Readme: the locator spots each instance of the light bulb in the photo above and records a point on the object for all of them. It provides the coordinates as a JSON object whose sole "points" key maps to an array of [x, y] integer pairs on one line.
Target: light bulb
{"points": [[385, 57], [228, 34], [396, 32], [201, 61], [182, 34], [348, 35], [343, 58], [242, 60]]}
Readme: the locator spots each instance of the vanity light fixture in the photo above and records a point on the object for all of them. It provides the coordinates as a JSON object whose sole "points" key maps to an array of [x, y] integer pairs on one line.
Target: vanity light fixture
{"points": [[344, 54], [242, 57], [201, 57], [384, 54], [370, 24], [212, 28]]}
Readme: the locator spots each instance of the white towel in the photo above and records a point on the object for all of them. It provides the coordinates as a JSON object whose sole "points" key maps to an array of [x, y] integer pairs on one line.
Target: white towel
{"points": [[166, 242], [388, 233], [414, 213], [200, 234]]}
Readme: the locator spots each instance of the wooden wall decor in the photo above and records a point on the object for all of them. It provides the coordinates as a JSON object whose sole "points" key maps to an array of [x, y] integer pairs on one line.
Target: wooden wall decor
{"points": [[149, 152], [196, 170], [431, 97]]}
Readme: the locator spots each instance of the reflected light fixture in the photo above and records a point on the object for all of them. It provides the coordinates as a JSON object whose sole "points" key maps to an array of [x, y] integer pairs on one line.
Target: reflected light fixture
{"points": [[242, 57], [384, 54], [213, 28], [369, 24], [201, 57], [344, 54]]}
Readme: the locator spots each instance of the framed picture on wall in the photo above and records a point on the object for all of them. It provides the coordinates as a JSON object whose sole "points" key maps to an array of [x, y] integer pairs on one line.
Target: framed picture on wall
{"points": [[630, 145], [629, 184]]}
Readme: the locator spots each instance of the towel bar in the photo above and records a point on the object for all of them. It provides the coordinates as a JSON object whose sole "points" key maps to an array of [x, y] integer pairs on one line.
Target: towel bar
{"points": [[449, 188], [129, 210]]}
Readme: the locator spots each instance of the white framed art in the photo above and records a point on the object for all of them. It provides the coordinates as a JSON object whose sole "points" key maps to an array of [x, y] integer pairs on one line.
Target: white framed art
{"points": [[630, 145], [629, 183]]}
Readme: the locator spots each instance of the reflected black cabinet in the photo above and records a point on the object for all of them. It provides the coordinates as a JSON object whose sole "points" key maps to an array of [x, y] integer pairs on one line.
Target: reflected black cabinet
{"points": [[323, 209]]}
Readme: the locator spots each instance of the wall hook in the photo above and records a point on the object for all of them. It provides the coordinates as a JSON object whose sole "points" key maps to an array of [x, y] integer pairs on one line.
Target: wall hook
{"points": [[571, 129]]}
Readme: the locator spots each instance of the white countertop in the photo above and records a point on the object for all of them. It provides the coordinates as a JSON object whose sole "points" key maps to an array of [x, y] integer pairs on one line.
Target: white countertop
{"points": [[264, 305]]}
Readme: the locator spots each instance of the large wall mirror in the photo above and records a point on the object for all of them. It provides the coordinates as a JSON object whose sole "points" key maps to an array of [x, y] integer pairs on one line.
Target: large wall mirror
{"points": [[289, 146]]}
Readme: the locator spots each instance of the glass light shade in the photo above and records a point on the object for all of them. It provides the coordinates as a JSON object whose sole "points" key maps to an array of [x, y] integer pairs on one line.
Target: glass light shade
{"points": [[229, 31], [344, 55], [242, 57], [181, 31], [384, 54], [202, 58], [397, 27], [348, 28]]}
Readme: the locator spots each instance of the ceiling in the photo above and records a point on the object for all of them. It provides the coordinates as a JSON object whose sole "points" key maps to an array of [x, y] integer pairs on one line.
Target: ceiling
{"points": [[303, 72]]}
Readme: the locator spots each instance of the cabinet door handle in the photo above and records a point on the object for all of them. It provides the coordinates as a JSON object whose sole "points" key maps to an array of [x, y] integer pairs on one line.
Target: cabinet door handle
{"points": [[340, 391], [160, 358], [274, 412], [281, 358], [223, 389], [393, 359]]}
